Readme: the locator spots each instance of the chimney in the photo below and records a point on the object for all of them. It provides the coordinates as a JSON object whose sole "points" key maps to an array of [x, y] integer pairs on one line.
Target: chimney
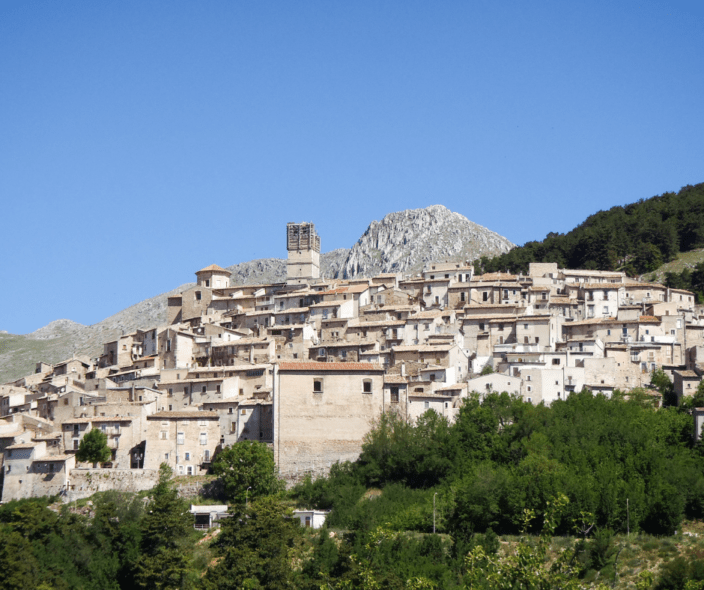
{"points": [[403, 369]]}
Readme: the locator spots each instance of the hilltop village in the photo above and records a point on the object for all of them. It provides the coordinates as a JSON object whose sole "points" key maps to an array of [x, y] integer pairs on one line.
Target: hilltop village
{"points": [[308, 364]]}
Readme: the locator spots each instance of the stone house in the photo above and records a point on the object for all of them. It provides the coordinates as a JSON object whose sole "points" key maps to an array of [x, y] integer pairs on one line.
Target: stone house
{"points": [[322, 412], [176, 348], [122, 436], [30, 472], [686, 383], [186, 441]]}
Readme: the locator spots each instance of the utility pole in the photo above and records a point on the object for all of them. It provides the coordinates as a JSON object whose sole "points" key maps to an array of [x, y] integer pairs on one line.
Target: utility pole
{"points": [[435, 494], [628, 519]]}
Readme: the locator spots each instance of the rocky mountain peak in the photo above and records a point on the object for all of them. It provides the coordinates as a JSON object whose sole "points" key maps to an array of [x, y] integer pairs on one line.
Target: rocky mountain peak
{"points": [[405, 241]]}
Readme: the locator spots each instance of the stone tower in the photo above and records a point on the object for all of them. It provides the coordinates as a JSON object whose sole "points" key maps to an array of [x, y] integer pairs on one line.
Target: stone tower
{"points": [[303, 245]]}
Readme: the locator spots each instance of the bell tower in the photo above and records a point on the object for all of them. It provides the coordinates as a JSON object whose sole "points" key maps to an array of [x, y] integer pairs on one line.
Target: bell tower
{"points": [[303, 245]]}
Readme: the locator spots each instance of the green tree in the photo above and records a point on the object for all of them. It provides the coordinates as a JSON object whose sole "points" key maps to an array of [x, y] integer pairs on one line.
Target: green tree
{"points": [[18, 565], [247, 470], [665, 386], [94, 448], [164, 563], [255, 545]]}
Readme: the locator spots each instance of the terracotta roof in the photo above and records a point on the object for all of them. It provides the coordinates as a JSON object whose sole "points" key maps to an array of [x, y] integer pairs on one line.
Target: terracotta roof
{"points": [[428, 394], [201, 415], [687, 374], [20, 446], [395, 379], [380, 323], [494, 276], [590, 273], [649, 318], [53, 458], [429, 315], [213, 268], [423, 348], [454, 387], [99, 419], [350, 289], [645, 285], [556, 300], [346, 343], [315, 366], [602, 286], [292, 310]]}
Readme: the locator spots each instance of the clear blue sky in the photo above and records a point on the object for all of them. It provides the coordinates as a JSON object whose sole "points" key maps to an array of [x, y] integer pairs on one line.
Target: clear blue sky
{"points": [[142, 141]]}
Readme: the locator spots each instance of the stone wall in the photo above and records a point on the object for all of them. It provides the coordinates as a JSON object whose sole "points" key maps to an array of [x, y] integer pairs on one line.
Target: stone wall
{"points": [[86, 482]]}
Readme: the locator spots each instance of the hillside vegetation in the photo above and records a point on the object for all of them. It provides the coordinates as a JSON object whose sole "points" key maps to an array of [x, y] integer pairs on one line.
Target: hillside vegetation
{"points": [[637, 238], [589, 492]]}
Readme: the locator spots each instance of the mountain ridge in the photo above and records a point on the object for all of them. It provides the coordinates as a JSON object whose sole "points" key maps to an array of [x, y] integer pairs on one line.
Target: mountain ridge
{"points": [[402, 241]]}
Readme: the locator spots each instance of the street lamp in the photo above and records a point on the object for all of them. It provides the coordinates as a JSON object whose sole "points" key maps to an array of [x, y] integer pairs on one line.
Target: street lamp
{"points": [[246, 499]]}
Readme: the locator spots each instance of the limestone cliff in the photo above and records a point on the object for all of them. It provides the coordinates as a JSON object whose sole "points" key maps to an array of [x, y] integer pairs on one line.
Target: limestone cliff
{"points": [[405, 241]]}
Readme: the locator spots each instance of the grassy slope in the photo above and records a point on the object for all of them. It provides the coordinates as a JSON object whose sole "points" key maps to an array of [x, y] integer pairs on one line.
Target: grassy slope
{"points": [[683, 260]]}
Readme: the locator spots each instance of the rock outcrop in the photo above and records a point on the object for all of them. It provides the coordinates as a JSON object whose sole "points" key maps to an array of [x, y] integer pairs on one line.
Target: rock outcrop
{"points": [[401, 242], [407, 240]]}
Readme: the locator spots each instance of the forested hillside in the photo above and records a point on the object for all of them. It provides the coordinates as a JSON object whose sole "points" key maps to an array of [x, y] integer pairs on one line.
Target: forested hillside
{"points": [[599, 489], [636, 238]]}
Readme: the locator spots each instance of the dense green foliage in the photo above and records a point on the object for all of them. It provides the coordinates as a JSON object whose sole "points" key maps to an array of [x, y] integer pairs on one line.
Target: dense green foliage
{"points": [[637, 238], [503, 467], [503, 456], [247, 470], [94, 447]]}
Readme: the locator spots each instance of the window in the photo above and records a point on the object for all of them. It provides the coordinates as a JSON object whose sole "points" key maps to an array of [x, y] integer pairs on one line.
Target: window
{"points": [[243, 412], [529, 388], [180, 438], [171, 391], [75, 445], [189, 469], [187, 456], [485, 296], [317, 386], [555, 361], [204, 389], [462, 296], [163, 435], [197, 295], [394, 395], [207, 282], [367, 386], [229, 410], [206, 456], [427, 405], [203, 438]]}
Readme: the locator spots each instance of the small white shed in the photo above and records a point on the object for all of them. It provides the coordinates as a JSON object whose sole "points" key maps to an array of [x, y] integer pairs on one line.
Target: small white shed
{"points": [[311, 518]]}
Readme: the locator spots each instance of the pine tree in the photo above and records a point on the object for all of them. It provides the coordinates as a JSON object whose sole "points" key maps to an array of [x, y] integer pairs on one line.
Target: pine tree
{"points": [[164, 564]]}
